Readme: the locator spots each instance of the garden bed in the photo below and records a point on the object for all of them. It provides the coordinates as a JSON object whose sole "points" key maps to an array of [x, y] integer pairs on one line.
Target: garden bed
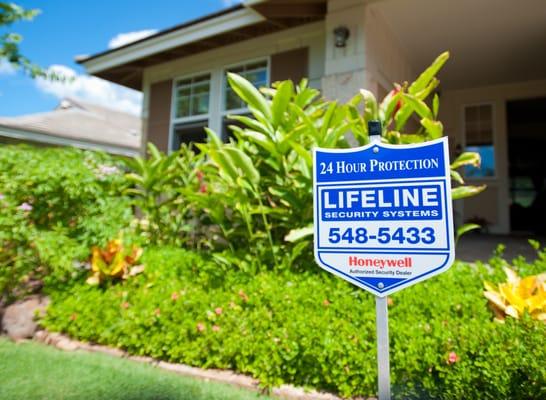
{"points": [[312, 330]]}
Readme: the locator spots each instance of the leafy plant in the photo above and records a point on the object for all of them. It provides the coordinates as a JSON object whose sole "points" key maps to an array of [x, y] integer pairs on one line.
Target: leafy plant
{"points": [[114, 262], [517, 296], [52, 212], [313, 330], [155, 185]]}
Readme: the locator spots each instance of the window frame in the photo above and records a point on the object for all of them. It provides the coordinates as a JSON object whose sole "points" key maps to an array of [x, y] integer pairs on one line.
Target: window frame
{"points": [[218, 81], [243, 110], [493, 138], [192, 118]]}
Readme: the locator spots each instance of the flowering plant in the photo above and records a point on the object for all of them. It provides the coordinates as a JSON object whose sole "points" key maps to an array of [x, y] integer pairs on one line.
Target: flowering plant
{"points": [[518, 295]]}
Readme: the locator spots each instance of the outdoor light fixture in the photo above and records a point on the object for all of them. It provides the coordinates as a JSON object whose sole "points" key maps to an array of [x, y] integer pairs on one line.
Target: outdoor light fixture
{"points": [[341, 34]]}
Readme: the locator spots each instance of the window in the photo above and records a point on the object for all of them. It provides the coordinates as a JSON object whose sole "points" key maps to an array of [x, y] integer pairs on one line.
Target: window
{"points": [[478, 123], [191, 110], [192, 97], [256, 73], [206, 99]]}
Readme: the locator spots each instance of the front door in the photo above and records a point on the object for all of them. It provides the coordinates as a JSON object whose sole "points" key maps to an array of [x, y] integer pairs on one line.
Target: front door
{"points": [[526, 121]]}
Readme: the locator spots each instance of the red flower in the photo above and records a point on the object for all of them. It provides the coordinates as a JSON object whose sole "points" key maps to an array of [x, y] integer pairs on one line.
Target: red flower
{"points": [[218, 310], [174, 296], [452, 358], [125, 305], [200, 327], [203, 188], [398, 103], [200, 176]]}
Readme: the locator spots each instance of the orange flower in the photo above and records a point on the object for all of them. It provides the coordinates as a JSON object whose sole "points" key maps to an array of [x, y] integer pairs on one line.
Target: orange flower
{"points": [[243, 295]]}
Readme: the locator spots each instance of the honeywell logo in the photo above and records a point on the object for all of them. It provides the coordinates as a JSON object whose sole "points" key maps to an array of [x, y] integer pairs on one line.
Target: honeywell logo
{"points": [[405, 262]]}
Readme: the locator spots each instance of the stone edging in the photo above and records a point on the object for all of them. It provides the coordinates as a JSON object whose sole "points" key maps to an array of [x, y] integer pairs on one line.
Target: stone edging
{"points": [[287, 392]]}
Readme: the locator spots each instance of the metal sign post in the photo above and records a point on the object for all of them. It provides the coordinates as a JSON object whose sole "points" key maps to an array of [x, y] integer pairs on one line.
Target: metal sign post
{"points": [[383, 221], [381, 319], [383, 364]]}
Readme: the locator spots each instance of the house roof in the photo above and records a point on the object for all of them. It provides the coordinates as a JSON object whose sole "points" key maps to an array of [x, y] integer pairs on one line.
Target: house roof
{"points": [[80, 124], [125, 65]]}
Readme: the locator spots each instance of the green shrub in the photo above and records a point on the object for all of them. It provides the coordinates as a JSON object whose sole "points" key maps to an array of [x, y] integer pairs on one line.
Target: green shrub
{"points": [[55, 204], [253, 195], [313, 330]]}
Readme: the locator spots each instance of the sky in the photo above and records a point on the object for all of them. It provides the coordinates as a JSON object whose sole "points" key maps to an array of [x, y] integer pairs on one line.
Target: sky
{"points": [[68, 28]]}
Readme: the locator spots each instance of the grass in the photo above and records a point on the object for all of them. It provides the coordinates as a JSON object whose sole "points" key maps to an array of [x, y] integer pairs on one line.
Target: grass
{"points": [[32, 371]]}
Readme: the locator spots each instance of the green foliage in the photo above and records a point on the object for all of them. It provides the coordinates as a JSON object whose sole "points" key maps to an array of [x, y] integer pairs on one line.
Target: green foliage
{"points": [[161, 188], [10, 42], [56, 204], [314, 330], [253, 194]]}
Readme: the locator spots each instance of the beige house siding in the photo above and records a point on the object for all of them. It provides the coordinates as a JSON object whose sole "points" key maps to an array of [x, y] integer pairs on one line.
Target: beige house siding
{"points": [[304, 46], [372, 59], [494, 204], [159, 114]]}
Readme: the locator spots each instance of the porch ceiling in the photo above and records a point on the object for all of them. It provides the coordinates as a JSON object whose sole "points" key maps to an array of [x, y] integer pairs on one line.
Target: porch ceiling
{"points": [[491, 41]]}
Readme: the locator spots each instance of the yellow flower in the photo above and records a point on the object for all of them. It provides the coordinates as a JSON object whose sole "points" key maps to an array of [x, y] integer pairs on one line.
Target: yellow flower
{"points": [[517, 295]]}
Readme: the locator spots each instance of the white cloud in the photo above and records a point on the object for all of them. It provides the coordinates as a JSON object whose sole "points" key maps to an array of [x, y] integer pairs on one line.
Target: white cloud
{"points": [[122, 39], [92, 89], [6, 68]]}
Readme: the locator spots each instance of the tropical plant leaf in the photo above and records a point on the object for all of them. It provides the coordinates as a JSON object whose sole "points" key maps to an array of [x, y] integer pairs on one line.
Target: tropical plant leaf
{"points": [[296, 234], [464, 229], [467, 158], [462, 192], [252, 96], [424, 79]]}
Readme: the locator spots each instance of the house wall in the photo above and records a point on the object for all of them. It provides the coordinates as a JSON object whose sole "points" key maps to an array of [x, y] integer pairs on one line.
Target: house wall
{"points": [[372, 58], [309, 36], [494, 203]]}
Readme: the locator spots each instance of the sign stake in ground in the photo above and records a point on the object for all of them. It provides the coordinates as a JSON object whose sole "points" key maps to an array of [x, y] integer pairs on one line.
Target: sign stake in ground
{"points": [[383, 221]]}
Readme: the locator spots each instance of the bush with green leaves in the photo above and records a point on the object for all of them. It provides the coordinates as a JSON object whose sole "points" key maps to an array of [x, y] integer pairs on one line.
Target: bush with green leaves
{"points": [[256, 190], [54, 205], [314, 330]]}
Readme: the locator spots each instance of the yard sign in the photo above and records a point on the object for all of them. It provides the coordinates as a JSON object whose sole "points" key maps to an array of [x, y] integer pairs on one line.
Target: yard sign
{"points": [[383, 217]]}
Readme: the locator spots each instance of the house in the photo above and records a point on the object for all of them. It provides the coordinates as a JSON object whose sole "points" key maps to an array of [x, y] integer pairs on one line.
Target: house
{"points": [[79, 124], [493, 92]]}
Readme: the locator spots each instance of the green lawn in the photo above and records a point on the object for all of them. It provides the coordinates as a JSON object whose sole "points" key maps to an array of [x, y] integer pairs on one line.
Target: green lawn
{"points": [[31, 371]]}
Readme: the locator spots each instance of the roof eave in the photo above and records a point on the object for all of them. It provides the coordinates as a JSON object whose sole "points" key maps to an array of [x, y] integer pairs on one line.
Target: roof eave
{"points": [[237, 17]]}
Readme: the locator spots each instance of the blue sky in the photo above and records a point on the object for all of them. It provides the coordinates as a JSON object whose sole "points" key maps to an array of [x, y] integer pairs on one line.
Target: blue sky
{"points": [[67, 28]]}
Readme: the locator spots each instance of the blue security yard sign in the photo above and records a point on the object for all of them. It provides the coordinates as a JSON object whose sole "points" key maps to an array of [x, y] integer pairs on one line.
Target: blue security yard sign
{"points": [[383, 215]]}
